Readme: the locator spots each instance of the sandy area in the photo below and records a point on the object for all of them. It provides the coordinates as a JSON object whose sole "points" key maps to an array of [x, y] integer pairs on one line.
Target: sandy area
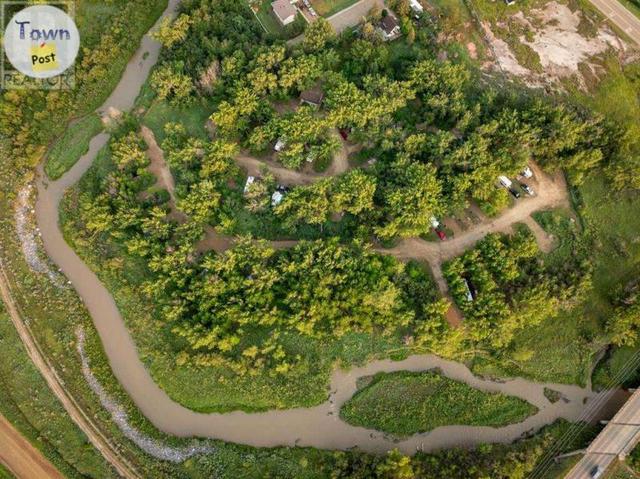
{"points": [[559, 44]]}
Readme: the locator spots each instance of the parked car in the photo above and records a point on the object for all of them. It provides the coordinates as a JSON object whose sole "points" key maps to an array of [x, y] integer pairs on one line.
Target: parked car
{"points": [[504, 181], [527, 189], [441, 234], [527, 172], [276, 198], [596, 472], [514, 193]]}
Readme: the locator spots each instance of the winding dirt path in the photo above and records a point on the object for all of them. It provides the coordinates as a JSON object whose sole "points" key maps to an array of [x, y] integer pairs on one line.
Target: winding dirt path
{"points": [[551, 190], [286, 176], [254, 166], [552, 193]]}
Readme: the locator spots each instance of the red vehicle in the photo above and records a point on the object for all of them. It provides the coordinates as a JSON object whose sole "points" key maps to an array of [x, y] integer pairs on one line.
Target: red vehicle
{"points": [[344, 133], [441, 234]]}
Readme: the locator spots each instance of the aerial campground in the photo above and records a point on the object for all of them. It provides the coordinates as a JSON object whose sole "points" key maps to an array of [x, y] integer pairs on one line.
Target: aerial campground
{"points": [[300, 239]]}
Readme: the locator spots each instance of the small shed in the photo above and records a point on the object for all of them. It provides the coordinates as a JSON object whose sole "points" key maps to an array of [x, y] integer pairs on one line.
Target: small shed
{"points": [[389, 27], [312, 97]]}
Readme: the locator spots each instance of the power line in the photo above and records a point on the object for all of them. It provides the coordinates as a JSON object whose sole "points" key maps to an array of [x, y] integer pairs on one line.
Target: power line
{"points": [[584, 419]]}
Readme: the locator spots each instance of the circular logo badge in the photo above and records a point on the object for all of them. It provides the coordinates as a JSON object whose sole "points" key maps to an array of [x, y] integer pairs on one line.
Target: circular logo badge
{"points": [[41, 41]]}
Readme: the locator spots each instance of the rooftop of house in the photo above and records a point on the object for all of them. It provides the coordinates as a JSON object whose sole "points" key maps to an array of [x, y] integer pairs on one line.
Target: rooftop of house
{"points": [[283, 8], [389, 23]]}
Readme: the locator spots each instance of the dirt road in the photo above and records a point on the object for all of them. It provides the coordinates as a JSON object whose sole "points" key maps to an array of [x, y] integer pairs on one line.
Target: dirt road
{"points": [[108, 450], [21, 458], [551, 193], [286, 176], [158, 166]]}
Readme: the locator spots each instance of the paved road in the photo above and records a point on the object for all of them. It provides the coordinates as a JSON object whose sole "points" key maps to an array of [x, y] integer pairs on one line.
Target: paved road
{"points": [[349, 17], [21, 458], [621, 17], [618, 438]]}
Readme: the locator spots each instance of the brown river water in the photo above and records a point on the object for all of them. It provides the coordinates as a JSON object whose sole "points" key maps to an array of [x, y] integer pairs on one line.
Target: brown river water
{"points": [[318, 426]]}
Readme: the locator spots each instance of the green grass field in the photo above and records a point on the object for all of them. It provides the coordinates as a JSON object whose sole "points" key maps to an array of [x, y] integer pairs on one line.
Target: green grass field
{"points": [[621, 472], [91, 17], [193, 118], [406, 403], [5, 474], [267, 19], [558, 349], [611, 368], [72, 145]]}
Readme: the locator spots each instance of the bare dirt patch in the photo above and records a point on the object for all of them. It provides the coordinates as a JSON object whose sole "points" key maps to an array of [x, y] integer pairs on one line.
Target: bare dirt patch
{"points": [[473, 50], [561, 39]]}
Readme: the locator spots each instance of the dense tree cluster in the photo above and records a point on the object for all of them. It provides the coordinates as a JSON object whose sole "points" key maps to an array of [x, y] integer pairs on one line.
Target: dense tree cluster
{"points": [[624, 324], [487, 460], [438, 142], [501, 287], [439, 139], [239, 308]]}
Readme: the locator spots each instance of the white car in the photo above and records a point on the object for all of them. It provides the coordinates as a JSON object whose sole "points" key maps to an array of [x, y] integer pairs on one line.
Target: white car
{"points": [[279, 145], [276, 198], [504, 181], [527, 189]]}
